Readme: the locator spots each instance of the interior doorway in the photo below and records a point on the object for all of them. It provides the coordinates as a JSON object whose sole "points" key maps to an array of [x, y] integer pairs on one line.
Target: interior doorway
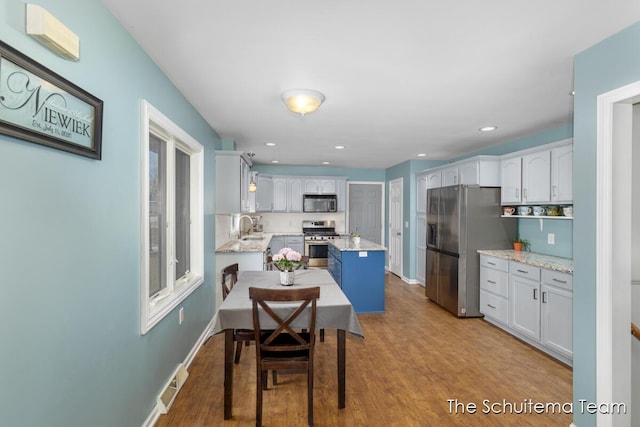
{"points": [[366, 210], [616, 350], [395, 226]]}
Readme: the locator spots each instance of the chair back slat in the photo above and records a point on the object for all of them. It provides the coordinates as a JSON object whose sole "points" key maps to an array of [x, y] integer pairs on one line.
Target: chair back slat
{"points": [[261, 297], [229, 278]]}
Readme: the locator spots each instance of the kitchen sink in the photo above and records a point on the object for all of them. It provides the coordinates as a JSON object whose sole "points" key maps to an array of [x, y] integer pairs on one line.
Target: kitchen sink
{"points": [[252, 237]]}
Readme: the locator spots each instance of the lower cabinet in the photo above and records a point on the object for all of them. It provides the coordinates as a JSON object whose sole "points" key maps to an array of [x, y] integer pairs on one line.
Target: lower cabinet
{"points": [[532, 303]]}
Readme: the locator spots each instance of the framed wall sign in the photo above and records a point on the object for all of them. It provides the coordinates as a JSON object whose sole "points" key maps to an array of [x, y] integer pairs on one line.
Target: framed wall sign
{"points": [[38, 105]]}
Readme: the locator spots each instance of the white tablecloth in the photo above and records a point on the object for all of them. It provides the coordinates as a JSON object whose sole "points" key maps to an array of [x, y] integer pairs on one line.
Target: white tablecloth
{"points": [[334, 311]]}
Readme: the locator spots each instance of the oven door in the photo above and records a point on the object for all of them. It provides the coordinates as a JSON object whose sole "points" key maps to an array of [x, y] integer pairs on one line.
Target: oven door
{"points": [[317, 251]]}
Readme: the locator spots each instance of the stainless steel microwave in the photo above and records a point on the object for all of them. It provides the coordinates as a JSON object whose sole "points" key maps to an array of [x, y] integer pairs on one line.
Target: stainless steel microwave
{"points": [[319, 203]]}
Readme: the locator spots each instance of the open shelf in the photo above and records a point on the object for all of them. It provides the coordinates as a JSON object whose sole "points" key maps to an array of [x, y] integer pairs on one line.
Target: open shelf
{"points": [[537, 216]]}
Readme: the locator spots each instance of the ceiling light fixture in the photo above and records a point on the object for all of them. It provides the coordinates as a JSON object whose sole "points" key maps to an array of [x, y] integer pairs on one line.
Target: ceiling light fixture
{"points": [[326, 163], [488, 128], [303, 101], [270, 144], [422, 155], [275, 161], [339, 147]]}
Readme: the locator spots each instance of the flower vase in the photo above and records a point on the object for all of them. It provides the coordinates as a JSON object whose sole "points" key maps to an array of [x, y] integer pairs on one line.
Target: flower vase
{"points": [[356, 241], [286, 278]]}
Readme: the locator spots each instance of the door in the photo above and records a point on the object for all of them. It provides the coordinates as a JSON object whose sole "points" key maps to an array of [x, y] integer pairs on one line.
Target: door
{"points": [[449, 219], [395, 227], [431, 277], [448, 282], [525, 306], [557, 319], [365, 211]]}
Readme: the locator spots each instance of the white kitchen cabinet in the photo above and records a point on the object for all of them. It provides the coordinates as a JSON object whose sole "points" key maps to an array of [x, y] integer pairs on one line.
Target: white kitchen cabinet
{"points": [[557, 311], [562, 174], [341, 194], [525, 306], [494, 289], [319, 186], [232, 182], [421, 193], [276, 243], [536, 177], [264, 193], [511, 178], [294, 194], [434, 180], [450, 176], [280, 194]]}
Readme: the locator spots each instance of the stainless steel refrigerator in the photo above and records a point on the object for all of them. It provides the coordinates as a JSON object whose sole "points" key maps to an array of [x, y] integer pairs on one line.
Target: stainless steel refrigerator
{"points": [[460, 220]]}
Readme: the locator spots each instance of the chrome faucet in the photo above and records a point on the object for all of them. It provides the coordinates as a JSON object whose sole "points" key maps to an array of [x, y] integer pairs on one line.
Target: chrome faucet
{"points": [[240, 223]]}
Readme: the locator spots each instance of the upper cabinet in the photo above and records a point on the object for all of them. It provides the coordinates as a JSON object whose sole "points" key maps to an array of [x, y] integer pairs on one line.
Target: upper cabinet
{"points": [[538, 176], [294, 194], [450, 176], [232, 182], [280, 196], [479, 170], [421, 193], [264, 193], [562, 174], [434, 179], [319, 186]]}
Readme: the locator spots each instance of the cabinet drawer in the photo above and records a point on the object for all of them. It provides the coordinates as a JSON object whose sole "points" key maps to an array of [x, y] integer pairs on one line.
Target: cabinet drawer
{"points": [[494, 307], [494, 281], [525, 270], [557, 279], [492, 262]]}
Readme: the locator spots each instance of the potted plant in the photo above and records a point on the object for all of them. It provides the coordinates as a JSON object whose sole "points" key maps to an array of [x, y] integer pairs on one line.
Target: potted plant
{"points": [[355, 237], [286, 260], [520, 244]]}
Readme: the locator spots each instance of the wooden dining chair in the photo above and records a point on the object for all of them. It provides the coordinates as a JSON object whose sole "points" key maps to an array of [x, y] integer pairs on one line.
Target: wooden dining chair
{"points": [[240, 336], [283, 348]]}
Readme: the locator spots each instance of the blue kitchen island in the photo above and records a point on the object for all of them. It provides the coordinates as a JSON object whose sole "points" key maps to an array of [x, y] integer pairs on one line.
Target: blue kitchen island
{"points": [[359, 271]]}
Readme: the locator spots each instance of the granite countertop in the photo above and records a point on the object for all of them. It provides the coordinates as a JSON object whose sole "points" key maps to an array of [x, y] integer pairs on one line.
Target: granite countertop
{"points": [[348, 245], [253, 244], [550, 262]]}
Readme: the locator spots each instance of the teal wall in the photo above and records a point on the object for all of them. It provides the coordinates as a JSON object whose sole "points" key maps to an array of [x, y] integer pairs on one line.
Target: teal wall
{"points": [[72, 353], [613, 63], [352, 174]]}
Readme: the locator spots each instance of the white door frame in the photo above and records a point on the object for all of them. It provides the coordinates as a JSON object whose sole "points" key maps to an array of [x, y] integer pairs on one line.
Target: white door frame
{"points": [[382, 199], [401, 255], [607, 306]]}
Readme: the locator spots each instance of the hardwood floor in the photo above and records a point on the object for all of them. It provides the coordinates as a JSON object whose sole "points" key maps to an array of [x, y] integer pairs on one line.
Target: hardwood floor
{"points": [[414, 358]]}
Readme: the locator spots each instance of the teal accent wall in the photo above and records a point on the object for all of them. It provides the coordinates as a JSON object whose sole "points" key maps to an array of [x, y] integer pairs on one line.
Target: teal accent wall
{"points": [[352, 174], [72, 354], [536, 234], [612, 63]]}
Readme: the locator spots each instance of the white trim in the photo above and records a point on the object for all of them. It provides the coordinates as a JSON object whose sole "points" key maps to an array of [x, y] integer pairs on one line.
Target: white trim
{"points": [[155, 413], [402, 228], [604, 245], [152, 312], [382, 200]]}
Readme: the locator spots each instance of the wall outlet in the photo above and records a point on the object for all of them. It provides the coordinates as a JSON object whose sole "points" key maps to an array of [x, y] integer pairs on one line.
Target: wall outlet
{"points": [[181, 316], [551, 239]]}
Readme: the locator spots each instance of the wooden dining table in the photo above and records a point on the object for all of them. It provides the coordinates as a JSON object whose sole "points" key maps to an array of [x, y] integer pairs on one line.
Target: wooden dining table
{"points": [[334, 311]]}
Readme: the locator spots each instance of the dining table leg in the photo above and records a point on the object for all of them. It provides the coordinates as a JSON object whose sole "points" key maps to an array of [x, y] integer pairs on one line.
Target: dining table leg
{"points": [[228, 373], [342, 341]]}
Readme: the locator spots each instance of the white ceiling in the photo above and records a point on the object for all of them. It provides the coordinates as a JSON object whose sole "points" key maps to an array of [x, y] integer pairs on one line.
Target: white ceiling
{"points": [[400, 77]]}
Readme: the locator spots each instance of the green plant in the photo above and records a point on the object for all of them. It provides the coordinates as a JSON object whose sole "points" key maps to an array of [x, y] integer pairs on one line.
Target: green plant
{"points": [[525, 243], [356, 235]]}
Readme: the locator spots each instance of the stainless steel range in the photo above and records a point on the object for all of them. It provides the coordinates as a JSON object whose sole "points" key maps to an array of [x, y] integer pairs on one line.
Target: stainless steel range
{"points": [[316, 238]]}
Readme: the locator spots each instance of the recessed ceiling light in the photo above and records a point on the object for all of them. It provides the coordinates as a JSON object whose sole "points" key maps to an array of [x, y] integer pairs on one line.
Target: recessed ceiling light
{"points": [[326, 163], [422, 155], [488, 128], [275, 161], [270, 144], [339, 147]]}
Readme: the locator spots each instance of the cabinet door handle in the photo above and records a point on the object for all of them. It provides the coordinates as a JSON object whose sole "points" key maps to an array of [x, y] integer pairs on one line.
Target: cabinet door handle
{"points": [[544, 297], [491, 263], [524, 193], [554, 190], [559, 281], [491, 306], [523, 271], [491, 281], [535, 294]]}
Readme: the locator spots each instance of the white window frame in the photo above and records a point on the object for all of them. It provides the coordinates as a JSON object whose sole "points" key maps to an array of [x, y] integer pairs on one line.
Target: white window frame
{"points": [[154, 309]]}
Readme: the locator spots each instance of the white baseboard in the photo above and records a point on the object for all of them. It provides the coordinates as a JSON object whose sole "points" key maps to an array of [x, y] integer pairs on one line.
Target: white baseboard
{"points": [[153, 417]]}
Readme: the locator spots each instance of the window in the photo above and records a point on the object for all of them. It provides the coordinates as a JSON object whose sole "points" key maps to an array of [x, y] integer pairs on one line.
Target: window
{"points": [[172, 212]]}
